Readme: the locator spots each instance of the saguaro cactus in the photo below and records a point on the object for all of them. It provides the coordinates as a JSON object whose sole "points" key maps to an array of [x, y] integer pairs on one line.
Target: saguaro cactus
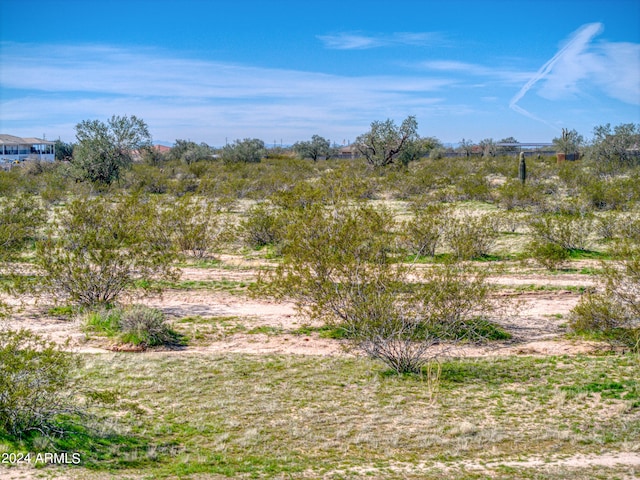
{"points": [[522, 170]]}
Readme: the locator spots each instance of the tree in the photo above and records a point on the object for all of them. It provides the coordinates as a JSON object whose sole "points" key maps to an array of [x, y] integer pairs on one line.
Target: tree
{"points": [[64, 151], [249, 150], [314, 149], [190, 152], [617, 147], [466, 146], [502, 150], [488, 147], [385, 141], [569, 142], [105, 149]]}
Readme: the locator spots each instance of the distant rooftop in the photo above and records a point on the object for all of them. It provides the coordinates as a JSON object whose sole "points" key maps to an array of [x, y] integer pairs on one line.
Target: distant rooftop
{"points": [[517, 144], [13, 140]]}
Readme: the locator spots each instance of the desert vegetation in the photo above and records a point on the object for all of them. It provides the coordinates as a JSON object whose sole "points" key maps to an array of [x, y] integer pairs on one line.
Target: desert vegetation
{"points": [[272, 313]]}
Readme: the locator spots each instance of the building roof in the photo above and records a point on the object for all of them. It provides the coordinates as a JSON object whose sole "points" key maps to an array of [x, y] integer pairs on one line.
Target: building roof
{"points": [[13, 140]]}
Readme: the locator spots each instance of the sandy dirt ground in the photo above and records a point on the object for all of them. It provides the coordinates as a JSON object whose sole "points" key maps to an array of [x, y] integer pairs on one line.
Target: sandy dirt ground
{"points": [[537, 326]]}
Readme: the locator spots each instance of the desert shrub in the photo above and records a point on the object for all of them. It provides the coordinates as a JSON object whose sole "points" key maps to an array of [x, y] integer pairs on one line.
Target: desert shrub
{"points": [[614, 311], [512, 194], [338, 267], [607, 226], [473, 187], [20, 218], [423, 233], [141, 325], [263, 225], [550, 255], [195, 226], [606, 194], [569, 231], [147, 179], [470, 236], [133, 324], [302, 195], [96, 250], [348, 181], [37, 389]]}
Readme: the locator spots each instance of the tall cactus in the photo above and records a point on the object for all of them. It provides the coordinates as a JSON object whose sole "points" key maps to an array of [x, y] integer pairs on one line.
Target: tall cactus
{"points": [[522, 170]]}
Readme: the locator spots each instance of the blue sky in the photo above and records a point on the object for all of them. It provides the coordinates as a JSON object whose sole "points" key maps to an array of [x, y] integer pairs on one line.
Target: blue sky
{"points": [[282, 71]]}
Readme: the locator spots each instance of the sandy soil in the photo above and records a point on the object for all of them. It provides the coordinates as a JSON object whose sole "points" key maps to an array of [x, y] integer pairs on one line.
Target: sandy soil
{"points": [[537, 327]]}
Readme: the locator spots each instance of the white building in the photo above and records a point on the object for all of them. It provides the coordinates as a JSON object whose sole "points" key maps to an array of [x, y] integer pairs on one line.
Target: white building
{"points": [[16, 149]]}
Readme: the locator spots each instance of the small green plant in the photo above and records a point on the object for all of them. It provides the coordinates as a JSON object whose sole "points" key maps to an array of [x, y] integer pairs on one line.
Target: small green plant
{"points": [[147, 327], [135, 324]]}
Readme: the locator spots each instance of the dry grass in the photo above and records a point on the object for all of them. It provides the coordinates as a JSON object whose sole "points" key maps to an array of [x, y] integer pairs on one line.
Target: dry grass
{"points": [[331, 417]]}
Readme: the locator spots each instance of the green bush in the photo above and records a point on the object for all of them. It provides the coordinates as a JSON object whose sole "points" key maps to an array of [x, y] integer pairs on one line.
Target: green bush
{"points": [[615, 310], [423, 233], [98, 249], [470, 236], [141, 325], [569, 231], [263, 225], [134, 324], [194, 225], [20, 219], [513, 194], [338, 267], [550, 255], [37, 388]]}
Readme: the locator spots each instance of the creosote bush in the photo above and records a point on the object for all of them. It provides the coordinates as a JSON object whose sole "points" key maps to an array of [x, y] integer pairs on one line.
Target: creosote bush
{"points": [[423, 233], [194, 225], [614, 311], [37, 390], [470, 236], [97, 250], [338, 267]]}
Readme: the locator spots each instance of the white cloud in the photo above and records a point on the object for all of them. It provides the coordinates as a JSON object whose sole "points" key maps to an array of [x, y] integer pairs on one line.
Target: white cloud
{"points": [[209, 100], [356, 41], [581, 66]]}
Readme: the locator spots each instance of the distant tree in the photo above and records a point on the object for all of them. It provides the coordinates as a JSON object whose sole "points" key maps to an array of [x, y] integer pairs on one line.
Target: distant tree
{"points": [[466, 147], [488, 147], [619, 146], [385, 141], [314, 149], [507, 150], [569, 142], [105, 149], [189, 152], [64, 151], [249, 150]]}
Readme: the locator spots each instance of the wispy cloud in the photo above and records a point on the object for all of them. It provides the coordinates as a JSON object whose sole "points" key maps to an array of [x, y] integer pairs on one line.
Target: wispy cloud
{"points": [[474, 70], [45, 84], [582, 65], [358, 41]]}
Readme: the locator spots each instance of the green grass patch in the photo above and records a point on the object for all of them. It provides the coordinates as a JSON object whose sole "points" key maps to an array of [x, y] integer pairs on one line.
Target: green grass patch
{"points": [[577, 254]]}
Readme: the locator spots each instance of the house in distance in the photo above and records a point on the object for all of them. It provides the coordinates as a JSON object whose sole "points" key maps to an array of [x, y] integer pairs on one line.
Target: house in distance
{"points": [[16, 149]]}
